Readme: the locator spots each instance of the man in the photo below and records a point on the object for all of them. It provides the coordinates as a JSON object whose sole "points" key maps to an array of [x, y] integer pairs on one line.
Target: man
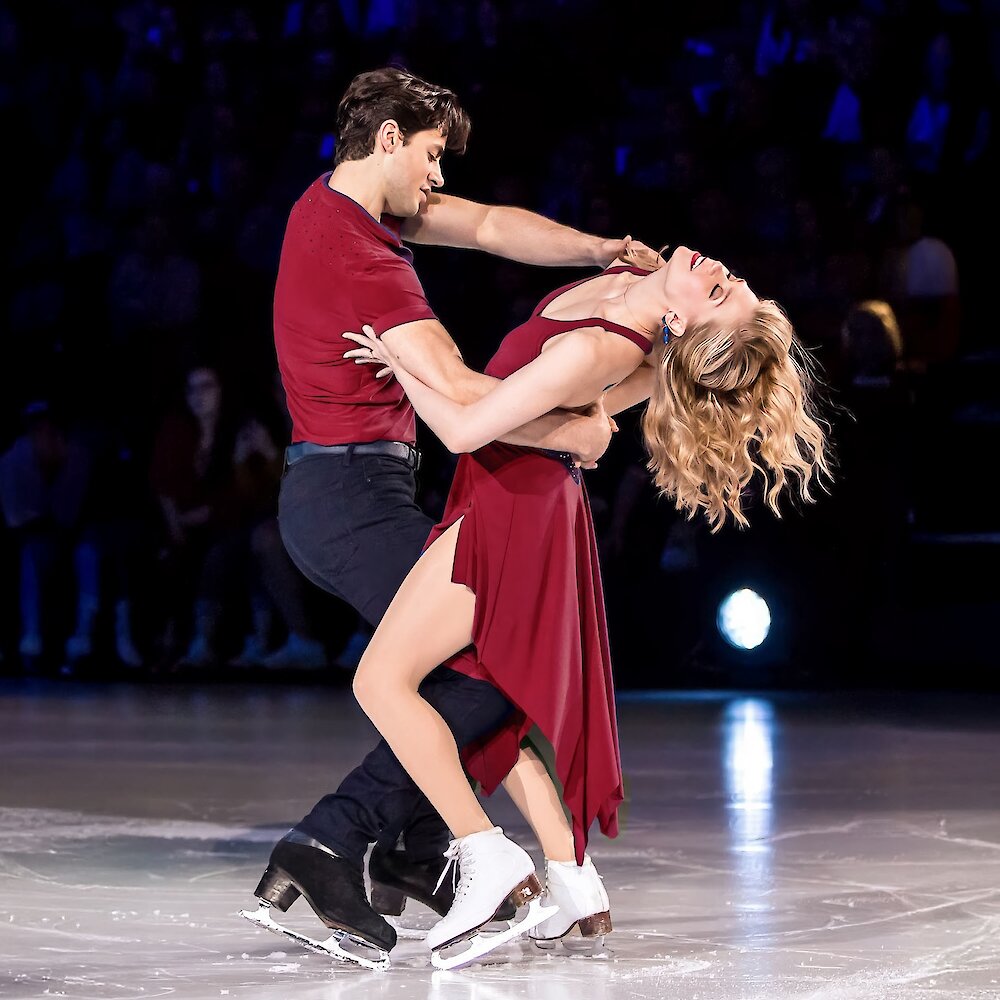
{"points": [[346, 508]]}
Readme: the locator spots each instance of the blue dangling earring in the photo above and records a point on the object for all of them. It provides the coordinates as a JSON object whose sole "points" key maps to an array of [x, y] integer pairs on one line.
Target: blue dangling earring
{"points": [[666, 330]]}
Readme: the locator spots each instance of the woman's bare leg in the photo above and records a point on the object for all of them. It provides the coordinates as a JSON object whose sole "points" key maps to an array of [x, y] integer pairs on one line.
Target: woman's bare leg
{"points": [[534, 794], [429, 619]]}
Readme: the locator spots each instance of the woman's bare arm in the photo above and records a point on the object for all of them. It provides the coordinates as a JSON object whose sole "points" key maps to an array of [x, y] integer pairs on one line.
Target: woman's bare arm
{"points": [[575, 369]]}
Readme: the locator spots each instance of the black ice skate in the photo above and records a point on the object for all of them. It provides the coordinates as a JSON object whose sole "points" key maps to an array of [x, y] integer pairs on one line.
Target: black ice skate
{"points": [[334, 888]]}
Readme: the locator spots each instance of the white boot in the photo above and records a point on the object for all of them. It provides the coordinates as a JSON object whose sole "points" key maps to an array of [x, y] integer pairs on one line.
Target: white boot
{"points": [[491, 869], [582, 900]]}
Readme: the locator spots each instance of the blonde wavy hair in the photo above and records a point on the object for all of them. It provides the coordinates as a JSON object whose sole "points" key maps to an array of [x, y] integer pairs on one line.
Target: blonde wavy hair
{"points": [[729, 404]]}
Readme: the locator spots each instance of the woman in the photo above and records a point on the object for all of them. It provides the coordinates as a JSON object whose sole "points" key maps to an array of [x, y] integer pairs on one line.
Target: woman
{"points": [[509, 579]]}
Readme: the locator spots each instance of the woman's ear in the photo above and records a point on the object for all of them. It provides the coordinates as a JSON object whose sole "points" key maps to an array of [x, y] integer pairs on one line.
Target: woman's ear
{"points": [[673, 326]]}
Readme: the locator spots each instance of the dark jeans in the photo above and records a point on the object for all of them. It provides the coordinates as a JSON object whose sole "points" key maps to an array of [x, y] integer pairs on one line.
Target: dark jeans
{"points": [[352, 527]]}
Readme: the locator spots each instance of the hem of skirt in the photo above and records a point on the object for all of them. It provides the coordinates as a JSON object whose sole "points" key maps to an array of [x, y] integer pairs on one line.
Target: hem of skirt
{"points": [[462, 574], [607, 818]]}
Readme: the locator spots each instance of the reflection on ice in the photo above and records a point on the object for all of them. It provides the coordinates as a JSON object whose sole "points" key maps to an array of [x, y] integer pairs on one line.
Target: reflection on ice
{"points": [[748, 761]]}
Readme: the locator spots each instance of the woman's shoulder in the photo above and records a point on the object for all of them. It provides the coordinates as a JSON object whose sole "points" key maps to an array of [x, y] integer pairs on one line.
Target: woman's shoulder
{"points": [[593, 343]]}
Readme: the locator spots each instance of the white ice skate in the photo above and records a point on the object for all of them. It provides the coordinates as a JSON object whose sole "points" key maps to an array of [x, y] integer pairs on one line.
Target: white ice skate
{"points": [[493, 869], [578, 892], [333, 946]]}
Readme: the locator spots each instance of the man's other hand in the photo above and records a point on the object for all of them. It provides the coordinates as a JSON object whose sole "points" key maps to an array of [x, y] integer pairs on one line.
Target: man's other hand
{"points": [[597, 433]]}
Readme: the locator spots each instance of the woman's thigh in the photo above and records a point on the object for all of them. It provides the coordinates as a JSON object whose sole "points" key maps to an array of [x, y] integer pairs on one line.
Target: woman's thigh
{"points": [[429, 620]]}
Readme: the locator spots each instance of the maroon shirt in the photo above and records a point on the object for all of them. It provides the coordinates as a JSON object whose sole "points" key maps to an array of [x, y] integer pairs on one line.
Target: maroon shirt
{"points": [[341, 268]]}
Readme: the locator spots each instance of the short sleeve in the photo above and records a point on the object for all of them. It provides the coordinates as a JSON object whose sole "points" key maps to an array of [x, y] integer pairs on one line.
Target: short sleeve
{"points": [[388, 293]]}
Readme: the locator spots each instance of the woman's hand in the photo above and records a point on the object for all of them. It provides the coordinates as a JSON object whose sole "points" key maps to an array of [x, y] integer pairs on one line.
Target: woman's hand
{"points": [[640, 255], [371, 352], [628, 251]]}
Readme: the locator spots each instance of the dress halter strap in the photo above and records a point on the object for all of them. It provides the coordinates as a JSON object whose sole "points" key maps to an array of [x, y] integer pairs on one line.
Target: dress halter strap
{"points": [[637, 338]]}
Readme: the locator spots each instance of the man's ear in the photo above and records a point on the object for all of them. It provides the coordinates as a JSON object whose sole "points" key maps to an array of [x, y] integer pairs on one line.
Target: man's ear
{"points": [[389, 136]]}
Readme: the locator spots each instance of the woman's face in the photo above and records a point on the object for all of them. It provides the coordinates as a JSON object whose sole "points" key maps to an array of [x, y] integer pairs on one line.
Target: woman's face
{"points": [[203, 393], [699, 289]]}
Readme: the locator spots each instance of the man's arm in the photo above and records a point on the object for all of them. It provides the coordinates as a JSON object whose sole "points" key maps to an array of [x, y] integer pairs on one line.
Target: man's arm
{"points": [[576, 367], [514, 233], [426, 350], [634, 389]]}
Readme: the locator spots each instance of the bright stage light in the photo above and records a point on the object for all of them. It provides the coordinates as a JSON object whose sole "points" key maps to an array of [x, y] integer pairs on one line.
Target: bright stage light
{"points": [[744, 619]]}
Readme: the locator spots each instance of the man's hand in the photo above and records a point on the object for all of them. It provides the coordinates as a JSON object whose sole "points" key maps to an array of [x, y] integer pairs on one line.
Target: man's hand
{"points": [[628, 250], [599, 429]]}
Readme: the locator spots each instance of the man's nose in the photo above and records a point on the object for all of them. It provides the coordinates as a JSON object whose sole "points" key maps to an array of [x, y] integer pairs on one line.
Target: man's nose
{"points": [[436, 176]]}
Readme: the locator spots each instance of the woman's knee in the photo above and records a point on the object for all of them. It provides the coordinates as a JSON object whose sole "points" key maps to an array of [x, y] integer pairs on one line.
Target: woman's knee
{"points": [[375, 686], [366, 686]]}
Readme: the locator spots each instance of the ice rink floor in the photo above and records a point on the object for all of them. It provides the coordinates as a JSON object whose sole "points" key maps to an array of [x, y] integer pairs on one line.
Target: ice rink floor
{"points": [[815, 847]]}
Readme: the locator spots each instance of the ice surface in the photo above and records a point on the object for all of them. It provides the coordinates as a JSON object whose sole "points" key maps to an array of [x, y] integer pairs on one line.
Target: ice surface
{"points": [[771, 847]]}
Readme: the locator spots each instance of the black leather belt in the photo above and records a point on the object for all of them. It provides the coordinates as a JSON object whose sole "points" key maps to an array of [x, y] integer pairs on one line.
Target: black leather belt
{"points": [[396, 449]]}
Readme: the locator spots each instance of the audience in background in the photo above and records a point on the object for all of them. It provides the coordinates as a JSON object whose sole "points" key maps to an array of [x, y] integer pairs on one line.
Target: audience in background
{"points": [[49, 501], [831, 158]]}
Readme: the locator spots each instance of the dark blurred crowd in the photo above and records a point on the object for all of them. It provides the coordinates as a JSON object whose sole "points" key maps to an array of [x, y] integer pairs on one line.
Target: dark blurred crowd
{"points": [[840, 156]]}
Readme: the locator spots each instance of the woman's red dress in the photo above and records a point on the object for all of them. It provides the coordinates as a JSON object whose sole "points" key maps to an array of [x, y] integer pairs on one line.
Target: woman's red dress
{"points": [[528, 551]]}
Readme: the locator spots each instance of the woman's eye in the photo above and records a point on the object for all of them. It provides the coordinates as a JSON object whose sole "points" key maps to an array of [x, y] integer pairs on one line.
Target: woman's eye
{"points": [[716, 288]]}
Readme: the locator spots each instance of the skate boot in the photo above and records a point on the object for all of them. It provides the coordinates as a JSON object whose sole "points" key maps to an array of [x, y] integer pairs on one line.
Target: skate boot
{"points": [[583, 905], [492, 869], [334, 888], [395, 878]]}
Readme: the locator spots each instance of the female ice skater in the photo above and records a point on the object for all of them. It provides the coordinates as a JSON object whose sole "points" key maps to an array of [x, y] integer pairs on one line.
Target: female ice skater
{"points": [[509, 584]]}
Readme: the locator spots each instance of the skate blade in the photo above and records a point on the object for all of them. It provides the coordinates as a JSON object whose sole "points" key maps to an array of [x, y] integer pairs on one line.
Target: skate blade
{"points": [[420, 933], [406, 933], [331, 947], [574, 944], [584, 937], [482, 944]]}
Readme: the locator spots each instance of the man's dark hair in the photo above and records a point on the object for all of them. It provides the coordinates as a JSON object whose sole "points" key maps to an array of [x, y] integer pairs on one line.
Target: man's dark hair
{"points": [[415, 104]]}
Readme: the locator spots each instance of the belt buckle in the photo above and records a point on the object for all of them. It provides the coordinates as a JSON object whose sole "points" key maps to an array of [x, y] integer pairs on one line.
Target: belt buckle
{"points": [[416, 458]]}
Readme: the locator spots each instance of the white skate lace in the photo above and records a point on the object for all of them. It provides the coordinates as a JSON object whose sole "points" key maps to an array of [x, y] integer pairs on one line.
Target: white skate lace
{"points": [[453, 854]]}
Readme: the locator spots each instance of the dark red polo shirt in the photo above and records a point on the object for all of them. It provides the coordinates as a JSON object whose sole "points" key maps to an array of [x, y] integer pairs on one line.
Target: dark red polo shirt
{"points": [[341, 268]]}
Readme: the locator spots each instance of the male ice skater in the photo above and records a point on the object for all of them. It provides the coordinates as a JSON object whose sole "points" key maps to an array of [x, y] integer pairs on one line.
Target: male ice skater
{"points": [[346, 508]]}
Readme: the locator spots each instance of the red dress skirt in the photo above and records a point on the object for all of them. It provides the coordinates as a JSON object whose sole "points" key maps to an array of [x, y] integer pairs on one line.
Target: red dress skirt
{"points": [[528, 551]]}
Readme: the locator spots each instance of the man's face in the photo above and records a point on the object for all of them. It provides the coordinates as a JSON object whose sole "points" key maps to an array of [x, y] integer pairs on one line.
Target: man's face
{"points": [[412, 170]]}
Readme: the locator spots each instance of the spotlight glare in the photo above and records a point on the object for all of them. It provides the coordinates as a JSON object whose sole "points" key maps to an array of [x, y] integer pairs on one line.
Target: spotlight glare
{"points": [[744, 619]]}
